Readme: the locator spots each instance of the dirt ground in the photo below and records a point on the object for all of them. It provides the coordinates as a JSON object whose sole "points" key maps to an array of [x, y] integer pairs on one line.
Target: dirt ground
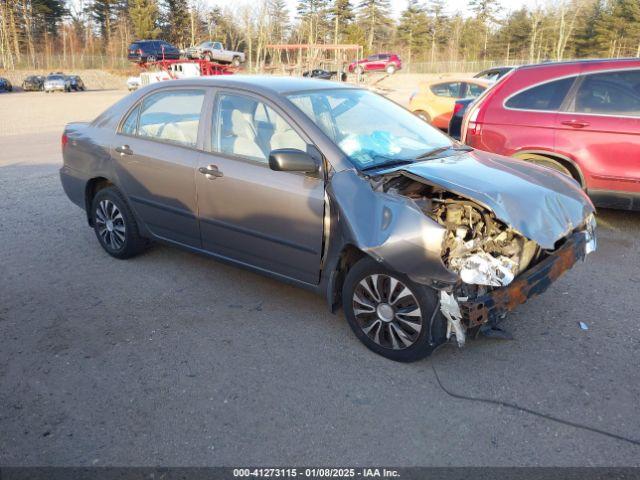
{"points": [[174, 359]]}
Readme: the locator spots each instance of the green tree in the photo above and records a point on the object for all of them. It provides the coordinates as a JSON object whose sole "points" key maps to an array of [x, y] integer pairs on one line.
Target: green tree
{"points": [[105, 14], [278, 19], [144, 18], [177, 22], [485, 14], [342, 16], [413, 27], [374, 16], [314, 19]]}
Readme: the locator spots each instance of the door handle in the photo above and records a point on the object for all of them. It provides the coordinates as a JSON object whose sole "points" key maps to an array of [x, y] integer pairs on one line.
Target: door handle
{"points": [[124, 150], [211, 171], [575, 123]]}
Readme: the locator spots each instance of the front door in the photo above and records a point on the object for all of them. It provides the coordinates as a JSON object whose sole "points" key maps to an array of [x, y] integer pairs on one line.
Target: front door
{"points": [[248, 212], [603, 126], [156, 160]]}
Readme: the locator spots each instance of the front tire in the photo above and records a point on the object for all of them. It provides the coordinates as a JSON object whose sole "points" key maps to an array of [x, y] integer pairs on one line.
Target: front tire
{"points": [[115, 225], [390, 314]]}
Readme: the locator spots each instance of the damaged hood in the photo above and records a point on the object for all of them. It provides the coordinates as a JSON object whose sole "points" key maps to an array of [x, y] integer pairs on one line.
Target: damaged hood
{"points": [[543, 205]]}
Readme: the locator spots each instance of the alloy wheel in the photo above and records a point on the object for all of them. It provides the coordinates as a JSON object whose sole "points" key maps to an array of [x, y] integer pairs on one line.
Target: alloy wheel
{"points": [[387, 311], [110, 224]]}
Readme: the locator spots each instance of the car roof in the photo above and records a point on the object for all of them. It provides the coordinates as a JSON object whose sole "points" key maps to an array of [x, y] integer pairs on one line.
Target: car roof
{"points": [[265, 84], [590, 61], [477, 81]]}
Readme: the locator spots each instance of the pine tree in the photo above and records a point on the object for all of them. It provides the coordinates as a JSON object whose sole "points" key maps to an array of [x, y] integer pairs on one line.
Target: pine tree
{"points": [[341, 16], [313, 16], [144, 18], [105, 13], [278, 19], [412, 28], [485, 12], [177, 22], [375, 18]]}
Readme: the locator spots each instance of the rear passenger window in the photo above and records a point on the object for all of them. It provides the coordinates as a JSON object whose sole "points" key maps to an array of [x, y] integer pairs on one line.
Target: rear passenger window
{"points": [[172, 116], [548, 96], [611, 93], [450, 90]]}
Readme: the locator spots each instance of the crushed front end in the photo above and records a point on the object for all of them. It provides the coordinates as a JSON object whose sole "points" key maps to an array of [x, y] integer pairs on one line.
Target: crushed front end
{"points": [[497, 267]]}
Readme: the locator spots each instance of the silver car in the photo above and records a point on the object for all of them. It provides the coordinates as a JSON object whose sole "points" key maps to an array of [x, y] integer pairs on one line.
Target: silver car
{"points": [[57, 83], [418, 238]]}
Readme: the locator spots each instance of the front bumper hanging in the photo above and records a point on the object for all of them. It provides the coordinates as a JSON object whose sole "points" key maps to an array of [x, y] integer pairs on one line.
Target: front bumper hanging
{"points": [[495, 304]]}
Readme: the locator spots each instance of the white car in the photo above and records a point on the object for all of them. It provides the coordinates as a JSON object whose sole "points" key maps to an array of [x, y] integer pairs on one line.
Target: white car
{"points": [[57, 82]]}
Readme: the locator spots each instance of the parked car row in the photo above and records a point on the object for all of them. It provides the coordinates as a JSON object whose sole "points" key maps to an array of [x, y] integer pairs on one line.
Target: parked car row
{"points": [[146, 51], [57, 81]]}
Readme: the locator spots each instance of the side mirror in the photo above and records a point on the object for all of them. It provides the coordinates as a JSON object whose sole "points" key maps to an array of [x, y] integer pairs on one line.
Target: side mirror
{"points": [[292, 160]]}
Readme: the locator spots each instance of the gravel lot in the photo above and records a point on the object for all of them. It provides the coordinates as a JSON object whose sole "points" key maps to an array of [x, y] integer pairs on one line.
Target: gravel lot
{"points": [[174, 359]]}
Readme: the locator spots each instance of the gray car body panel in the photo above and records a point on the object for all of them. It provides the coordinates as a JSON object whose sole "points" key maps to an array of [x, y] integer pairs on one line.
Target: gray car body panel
{"points": [[540, 203], [390, 228]]}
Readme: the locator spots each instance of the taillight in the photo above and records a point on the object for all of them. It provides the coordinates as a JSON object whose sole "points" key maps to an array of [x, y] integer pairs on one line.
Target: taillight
{"points": [[457, 107], [473, 126], [140, 52], [64, 140]]}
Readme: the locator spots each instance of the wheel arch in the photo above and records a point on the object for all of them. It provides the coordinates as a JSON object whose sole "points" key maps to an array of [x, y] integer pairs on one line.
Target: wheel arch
{"points": [[348, 256], [93, 186], [563, 160]]}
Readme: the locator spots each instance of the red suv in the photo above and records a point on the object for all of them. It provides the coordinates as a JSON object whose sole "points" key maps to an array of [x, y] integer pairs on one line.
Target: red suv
{"points": [[389, 62], [581, 117]]}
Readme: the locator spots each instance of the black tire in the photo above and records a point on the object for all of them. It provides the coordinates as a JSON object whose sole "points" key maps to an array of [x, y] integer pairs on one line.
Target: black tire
{"points": [[208, 57], [150, 58], [360, 70], [423, 342], [131, 243], [235, 61], [391, 69]]}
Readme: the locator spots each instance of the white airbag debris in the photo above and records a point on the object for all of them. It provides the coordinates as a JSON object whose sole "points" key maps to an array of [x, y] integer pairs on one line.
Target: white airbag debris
{"points": [[484, 269], [451, 311]]}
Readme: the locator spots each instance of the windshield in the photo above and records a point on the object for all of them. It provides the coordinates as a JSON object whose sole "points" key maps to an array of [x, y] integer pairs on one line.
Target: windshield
{"points": [[371, 130]]}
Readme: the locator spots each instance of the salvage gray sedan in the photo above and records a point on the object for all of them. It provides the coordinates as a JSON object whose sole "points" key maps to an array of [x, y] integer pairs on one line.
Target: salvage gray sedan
{"points": [[418, 238]]}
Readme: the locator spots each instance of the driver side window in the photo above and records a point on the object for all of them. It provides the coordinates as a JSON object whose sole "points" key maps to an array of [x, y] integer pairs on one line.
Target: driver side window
{"points": [[246, 127]]}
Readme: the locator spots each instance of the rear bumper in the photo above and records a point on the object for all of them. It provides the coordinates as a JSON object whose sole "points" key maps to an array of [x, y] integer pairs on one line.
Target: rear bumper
{"points": [[531, 283]]}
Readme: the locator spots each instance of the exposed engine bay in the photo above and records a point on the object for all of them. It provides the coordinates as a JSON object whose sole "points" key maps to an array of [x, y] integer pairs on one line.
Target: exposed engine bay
{"points": [[481, 249]]}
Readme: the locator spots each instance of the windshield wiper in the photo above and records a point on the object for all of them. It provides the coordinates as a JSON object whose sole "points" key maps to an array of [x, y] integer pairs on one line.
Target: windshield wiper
{"points": [[436, 151], [394, 163]]}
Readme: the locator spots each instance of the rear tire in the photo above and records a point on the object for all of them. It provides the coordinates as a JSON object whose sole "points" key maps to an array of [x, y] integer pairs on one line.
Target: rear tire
{"points": [[390, 314], [208, 57], [360, 70], [115, 225], [391, 69], [236, 61]]}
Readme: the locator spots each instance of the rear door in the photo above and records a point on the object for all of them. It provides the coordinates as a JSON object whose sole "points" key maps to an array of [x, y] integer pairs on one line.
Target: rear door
{"points": [[602, 127], [526, 119], [155, 155], [248, 212]]}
